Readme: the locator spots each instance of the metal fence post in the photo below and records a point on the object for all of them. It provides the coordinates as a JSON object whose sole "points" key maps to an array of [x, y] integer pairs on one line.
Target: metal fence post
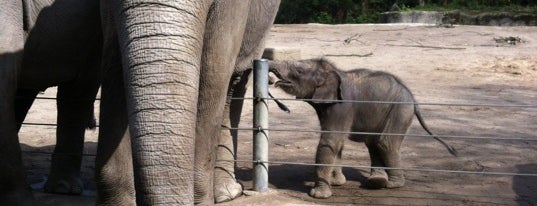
{"points": [[261, 122]]}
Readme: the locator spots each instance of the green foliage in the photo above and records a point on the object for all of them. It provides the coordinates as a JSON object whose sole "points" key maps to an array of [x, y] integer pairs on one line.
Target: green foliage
{"points": [[323, 18], [368, 11], [364, 18]]}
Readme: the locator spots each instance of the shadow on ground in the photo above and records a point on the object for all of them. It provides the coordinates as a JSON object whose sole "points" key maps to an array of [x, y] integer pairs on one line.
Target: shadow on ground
{"points": [[525, 187]]}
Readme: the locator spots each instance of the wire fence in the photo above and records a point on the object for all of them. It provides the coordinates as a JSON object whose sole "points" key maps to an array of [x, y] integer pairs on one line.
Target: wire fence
{"points": [[471, 137], [412, 103]]}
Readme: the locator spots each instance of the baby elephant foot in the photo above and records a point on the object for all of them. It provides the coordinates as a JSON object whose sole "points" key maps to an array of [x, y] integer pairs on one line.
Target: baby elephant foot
{"points": [[377, 180], [338, 179], [70, 186], [226, 187], [395, 182], [321, 190]]}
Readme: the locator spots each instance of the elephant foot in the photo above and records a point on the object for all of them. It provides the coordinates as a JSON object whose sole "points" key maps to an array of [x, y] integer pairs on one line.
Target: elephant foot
{"points": [[69, 186], [338, 179], [377, 180], [226, 187], [395, 182], [321, 190]]}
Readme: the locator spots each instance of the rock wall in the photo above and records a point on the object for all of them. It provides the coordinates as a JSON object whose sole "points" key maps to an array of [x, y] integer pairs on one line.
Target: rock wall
{"points": [[458, 17]]}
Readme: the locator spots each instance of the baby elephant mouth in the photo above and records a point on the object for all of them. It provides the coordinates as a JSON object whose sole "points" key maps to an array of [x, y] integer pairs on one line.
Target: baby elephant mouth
{"points": [[282, 83], [276, 79]]}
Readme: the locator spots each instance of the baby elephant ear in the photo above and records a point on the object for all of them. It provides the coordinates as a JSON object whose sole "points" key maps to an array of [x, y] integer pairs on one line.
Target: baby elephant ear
{"points": [[329, 89]]}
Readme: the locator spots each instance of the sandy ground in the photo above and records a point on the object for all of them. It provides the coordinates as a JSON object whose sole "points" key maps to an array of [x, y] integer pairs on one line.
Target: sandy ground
{"points": [[463, 64]]}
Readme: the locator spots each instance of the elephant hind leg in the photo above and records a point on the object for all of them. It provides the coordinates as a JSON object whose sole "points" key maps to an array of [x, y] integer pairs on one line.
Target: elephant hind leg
{"points": [[378, 178], [23, 101], [386, 155], [384, 152], [75, 106], [226, 187]]}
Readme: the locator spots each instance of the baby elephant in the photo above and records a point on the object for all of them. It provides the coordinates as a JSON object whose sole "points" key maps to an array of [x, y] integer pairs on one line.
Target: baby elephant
{"points": [[321, 83]]}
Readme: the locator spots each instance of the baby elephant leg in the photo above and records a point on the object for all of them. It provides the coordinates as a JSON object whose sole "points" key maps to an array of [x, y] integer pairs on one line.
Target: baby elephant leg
{"points": [[378, 178], [327, 152], [338, 178], [391, 158], [385, 152]]}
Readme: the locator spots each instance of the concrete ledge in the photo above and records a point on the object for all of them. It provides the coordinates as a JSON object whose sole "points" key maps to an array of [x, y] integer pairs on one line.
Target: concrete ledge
{"points": [[458, 17], [282, 54]]}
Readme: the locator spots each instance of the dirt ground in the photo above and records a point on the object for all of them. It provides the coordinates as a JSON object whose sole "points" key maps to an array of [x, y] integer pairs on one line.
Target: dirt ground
{"points": [[464, 64]]}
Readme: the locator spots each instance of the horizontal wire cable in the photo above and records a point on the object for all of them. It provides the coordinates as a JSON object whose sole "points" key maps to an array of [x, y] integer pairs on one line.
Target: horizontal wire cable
{"points": [[393, 168], [47, 98], [357, 133], [42, 124], [62, 154], [483, 172], [38, 124], [377, 102], [389, 102], [54, 98], [386, 134]]}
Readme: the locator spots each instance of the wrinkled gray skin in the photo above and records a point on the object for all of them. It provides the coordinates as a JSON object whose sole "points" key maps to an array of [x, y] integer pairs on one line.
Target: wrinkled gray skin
{"points": [[180, 63], [320, 81], [43, 44]]}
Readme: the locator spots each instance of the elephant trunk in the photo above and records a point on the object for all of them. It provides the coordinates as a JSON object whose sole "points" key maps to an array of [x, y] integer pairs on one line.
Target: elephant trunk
{"points": [[161, 43]]}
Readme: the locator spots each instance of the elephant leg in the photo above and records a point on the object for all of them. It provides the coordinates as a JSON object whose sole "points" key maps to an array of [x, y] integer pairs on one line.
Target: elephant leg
{"points": [[23, 101], [13, 187], [385, 150], [390, 154], [330, 146], [75, 107], [226, 186], [113, 163], [399, 120], [221, 48], [378, 178], [338, 178]]}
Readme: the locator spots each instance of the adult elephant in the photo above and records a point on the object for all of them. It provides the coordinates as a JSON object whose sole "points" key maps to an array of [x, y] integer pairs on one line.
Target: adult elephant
{"points": [[169, 70], [47, 43]]}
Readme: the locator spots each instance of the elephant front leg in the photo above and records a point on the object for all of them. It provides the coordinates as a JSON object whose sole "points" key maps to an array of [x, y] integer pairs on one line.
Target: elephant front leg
{"points": [[338, 178], [13, 187], [328, 150], [226, 186]]}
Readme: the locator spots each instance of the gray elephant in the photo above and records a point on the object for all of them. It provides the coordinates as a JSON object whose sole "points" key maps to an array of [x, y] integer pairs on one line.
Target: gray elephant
{"points": [[319, 81], [44, 44], [169, 68]]}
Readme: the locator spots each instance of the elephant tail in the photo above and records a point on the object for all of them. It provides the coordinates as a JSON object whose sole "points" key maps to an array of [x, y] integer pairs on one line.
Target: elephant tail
{"points": [[451, 150]]}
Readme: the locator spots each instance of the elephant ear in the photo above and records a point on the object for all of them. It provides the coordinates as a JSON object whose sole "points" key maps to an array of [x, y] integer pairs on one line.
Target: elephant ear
{"points": [[329, 87]]}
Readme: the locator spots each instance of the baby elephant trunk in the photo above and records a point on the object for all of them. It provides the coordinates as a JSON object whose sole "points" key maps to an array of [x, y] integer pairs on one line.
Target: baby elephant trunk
{"points": [[277, 68]]}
